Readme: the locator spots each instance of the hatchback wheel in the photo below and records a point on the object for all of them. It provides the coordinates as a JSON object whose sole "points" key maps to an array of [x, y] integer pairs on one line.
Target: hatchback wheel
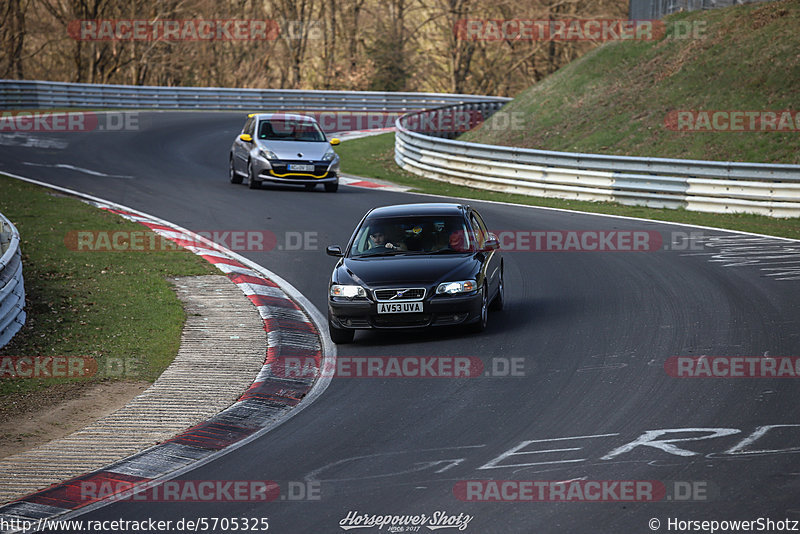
{"points": [[234, 177], [252, 183]]}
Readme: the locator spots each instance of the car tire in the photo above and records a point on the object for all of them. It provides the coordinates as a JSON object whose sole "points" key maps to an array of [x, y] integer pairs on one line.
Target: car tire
{"points": [[234, 177], [332, 188], [500, 298], [252, 183], [483, 320], [310, 187], [340, 335]]}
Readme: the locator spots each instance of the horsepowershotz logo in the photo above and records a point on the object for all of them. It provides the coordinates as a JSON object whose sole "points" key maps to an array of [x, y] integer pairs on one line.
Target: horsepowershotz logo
{"points": [[405, 523]]}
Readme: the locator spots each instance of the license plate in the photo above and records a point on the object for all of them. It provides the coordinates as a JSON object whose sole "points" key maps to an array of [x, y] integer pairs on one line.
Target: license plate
{"points": [[400, 307], [299, 167]]}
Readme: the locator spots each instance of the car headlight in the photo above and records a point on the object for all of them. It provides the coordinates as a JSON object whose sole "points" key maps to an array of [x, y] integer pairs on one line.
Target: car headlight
{"points": [[267, 153], [452, 288], [348, 291], [329, 155]]}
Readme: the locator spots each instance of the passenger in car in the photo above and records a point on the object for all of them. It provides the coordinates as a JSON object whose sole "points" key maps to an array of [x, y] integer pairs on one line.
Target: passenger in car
{"points": [[458, 241]]}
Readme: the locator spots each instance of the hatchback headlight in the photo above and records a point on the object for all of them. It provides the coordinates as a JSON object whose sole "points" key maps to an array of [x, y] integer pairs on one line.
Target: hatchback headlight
{"points": [[348, 291], [452, 288], [329, 155], [267, 153]]}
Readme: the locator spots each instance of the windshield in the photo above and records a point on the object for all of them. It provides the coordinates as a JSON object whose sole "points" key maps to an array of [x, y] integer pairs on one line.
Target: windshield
{"points": [[412, 235], [284, 129]]}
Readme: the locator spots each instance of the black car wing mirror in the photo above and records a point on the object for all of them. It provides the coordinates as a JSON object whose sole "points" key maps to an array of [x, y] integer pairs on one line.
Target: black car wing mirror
{"points": [[334, 250], [492, 243]]}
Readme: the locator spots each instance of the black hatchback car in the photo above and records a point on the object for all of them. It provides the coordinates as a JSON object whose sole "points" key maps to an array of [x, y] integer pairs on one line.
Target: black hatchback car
{"points": [[415, 265]]}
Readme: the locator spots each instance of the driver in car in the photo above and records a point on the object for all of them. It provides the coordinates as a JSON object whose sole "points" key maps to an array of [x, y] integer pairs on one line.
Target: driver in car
{"points": [[378, 239]]}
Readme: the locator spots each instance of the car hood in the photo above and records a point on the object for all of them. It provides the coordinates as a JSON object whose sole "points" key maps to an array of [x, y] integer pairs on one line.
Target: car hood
{"points": [[404, 270], [289, 150]]}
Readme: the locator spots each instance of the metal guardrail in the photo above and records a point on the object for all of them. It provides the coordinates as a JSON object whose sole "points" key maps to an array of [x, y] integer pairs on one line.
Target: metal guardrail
{"points": [[718, 187], [655, 9], [12, 288], [709, 186], [16, 94]]}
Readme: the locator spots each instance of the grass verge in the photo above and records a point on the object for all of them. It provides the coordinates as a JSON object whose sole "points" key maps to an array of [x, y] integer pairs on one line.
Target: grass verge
{"points": [[618, 98], [373, 157], [116, 307]]}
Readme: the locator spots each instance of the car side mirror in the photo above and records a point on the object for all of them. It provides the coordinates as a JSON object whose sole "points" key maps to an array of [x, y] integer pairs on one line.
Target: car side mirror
{"points": [[247, 138], [334, 250], [492, 243], [335, 141]]}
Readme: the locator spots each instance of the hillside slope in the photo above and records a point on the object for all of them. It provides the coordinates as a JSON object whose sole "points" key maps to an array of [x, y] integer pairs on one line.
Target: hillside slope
{"points": [[616, 99]]}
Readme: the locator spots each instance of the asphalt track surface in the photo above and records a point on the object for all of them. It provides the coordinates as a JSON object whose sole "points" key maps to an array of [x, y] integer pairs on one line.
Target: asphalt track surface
{"points": [[592, 330]]}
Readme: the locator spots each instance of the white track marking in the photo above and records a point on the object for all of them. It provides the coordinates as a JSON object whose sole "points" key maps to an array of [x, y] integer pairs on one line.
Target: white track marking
{"points": [[78, 169]]}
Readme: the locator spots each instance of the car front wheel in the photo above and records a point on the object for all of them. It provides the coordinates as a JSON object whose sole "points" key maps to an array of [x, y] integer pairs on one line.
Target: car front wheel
{"points": [[332, 188], [234, 177], [500, 298], [252, 183], [483, 320]]}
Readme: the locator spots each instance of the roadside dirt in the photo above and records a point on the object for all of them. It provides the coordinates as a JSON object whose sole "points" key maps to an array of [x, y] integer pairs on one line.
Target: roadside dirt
{"points": [[27, 421]]}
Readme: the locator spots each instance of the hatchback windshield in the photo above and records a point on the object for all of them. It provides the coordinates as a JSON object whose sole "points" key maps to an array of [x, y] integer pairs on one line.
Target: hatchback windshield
{"points": [[412, 235], [289, 130]]}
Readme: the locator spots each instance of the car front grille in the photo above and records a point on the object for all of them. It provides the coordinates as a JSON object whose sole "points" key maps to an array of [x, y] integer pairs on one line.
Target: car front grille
{"points": [[401, 320], [282, 167], [399, 294]]}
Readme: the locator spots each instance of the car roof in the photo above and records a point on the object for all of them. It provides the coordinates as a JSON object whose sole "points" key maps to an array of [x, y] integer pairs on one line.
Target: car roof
{"points": [[429, 208], [286, 116]]}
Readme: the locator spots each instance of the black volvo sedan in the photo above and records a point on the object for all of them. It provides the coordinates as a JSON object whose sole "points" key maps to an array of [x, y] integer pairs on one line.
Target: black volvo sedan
{"points": [[415, 265]]}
